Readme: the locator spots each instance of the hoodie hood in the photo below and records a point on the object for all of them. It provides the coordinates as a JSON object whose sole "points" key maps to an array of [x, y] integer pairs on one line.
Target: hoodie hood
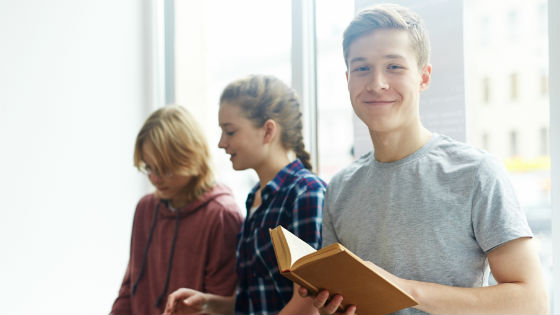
{"points": [[212, 194]]}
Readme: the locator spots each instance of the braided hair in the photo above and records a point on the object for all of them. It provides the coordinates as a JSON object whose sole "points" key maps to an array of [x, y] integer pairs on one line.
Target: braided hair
{"points": [[264, 97]]}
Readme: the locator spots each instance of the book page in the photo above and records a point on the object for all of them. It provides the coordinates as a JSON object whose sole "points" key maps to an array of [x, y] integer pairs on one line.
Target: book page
{"points": [[298, 247]]}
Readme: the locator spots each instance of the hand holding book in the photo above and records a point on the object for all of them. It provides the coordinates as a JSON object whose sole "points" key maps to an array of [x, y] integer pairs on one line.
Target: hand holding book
{"points": [[327, 304], [337, 270]]}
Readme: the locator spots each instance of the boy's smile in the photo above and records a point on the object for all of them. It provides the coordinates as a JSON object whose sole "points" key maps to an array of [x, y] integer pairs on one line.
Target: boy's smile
{"points": [[384, 81]]}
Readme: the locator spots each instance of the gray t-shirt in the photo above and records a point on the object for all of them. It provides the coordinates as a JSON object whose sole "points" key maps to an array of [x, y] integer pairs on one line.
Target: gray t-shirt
{"points": [[432, 216]]}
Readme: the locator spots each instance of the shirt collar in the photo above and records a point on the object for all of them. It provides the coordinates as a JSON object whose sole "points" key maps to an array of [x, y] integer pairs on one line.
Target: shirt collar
{"points": [[274, 185]]}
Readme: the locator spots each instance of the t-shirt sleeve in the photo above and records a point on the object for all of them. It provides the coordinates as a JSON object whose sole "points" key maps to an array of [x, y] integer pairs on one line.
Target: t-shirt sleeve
{"points": [[220, 276], [497, 216], [308, 213]]}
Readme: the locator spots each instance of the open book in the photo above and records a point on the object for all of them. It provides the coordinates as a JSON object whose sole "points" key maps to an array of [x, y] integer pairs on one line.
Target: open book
{"points": [[339, 271]]}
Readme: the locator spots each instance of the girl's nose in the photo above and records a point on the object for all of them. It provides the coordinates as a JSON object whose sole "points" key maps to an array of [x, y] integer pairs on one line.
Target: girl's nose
{"points": [[222, 142]]}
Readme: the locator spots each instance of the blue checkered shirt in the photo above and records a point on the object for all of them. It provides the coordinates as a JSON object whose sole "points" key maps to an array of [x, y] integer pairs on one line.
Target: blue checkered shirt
{"points": [[293, 199]]}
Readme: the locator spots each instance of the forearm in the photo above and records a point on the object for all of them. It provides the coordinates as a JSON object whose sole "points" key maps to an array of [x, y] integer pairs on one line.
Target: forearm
{"points": [[504, 298], [220, 304]]}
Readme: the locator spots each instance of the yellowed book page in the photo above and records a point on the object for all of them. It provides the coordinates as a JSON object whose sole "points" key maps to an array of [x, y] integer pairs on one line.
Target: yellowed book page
{"points": [[298, 247]]}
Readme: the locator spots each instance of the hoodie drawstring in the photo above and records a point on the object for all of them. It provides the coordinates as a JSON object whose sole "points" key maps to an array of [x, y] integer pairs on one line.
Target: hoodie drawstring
{"points": [[160, 298], [146, 251], [144, 259]]}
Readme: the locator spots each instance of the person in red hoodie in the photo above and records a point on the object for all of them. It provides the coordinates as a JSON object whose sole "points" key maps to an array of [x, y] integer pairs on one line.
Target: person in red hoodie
{"points": [[184, 234]]}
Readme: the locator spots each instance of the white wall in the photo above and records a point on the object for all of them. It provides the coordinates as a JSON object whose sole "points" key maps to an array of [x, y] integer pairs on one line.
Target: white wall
{"points": [[75, 87]]}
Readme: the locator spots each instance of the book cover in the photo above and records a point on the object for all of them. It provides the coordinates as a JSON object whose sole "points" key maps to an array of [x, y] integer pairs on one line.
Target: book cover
{"points": [[339, 271]]}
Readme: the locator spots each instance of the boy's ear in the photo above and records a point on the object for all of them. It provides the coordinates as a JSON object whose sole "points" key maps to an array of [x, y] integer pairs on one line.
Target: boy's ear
{"points": [[270, 129], [426, 77]]}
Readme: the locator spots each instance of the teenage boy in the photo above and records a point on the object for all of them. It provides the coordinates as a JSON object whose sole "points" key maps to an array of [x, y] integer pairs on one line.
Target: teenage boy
{"points": [[432, 214]]}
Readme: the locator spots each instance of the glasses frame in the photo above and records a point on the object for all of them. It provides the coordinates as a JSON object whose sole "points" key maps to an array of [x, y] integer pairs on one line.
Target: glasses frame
{"points": [[148, 171]]}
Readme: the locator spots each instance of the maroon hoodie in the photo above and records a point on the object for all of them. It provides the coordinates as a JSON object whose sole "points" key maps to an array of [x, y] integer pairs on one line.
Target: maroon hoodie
{"points": [[200, 239]]}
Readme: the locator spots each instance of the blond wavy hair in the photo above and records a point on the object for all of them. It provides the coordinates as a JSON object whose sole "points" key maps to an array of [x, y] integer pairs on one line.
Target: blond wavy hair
{"points": [[180, 147]]}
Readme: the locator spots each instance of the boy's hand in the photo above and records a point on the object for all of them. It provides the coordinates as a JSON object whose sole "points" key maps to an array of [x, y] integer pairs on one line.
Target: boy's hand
{"points": [[321, 302]]}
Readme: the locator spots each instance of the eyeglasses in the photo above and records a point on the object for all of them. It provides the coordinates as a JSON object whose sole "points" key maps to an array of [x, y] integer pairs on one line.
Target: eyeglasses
{"points": [[148, 171]]}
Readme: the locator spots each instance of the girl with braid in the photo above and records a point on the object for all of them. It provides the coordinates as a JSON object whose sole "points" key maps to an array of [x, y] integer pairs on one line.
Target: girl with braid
{"points": [[261, 126]]}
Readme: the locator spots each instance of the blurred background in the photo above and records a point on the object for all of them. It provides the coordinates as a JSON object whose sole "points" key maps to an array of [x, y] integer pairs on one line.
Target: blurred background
{"points": [[78, 78]]}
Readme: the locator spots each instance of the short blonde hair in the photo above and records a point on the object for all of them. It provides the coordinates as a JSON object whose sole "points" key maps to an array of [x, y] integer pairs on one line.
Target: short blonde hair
{"points": [[389, 16], [179, 147]]}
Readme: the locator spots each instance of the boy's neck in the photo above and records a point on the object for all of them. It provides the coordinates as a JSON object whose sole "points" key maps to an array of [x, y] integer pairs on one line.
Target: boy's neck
{"points": [[396, 145]]}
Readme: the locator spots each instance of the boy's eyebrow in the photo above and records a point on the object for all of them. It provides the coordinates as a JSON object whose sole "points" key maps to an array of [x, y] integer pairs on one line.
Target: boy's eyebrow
{"points": [[356, 59], [392, 56], [389, 56]]}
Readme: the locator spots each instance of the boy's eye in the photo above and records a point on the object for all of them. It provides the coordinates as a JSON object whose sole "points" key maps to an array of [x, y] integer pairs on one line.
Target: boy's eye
{"points": [[229, 133], [395, 67], [361, 68]]}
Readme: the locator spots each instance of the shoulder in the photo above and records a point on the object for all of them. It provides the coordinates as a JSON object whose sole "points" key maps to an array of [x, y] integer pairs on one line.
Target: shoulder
{"points": [[145, 210], [146, 204], [459, 161], [352, 172], [491, 168], [148, 198], [305, 180], [222, 203], [450, 154], [453, 151]]}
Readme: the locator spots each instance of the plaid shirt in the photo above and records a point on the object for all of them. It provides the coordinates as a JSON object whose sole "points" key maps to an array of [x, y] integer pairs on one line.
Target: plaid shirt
{"points": [[293, 199]]}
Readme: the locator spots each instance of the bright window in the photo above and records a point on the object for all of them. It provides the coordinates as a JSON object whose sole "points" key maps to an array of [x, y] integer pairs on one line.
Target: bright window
{"points": [[335, 112], [519, 133], [218, 41]]}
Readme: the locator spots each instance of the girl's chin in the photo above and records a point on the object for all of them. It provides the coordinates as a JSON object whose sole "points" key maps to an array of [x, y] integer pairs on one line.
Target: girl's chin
{"points": [[238, 167]]}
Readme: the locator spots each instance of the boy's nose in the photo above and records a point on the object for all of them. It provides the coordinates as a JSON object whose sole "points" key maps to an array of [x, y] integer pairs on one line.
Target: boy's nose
{"points": [[377, 82]]}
